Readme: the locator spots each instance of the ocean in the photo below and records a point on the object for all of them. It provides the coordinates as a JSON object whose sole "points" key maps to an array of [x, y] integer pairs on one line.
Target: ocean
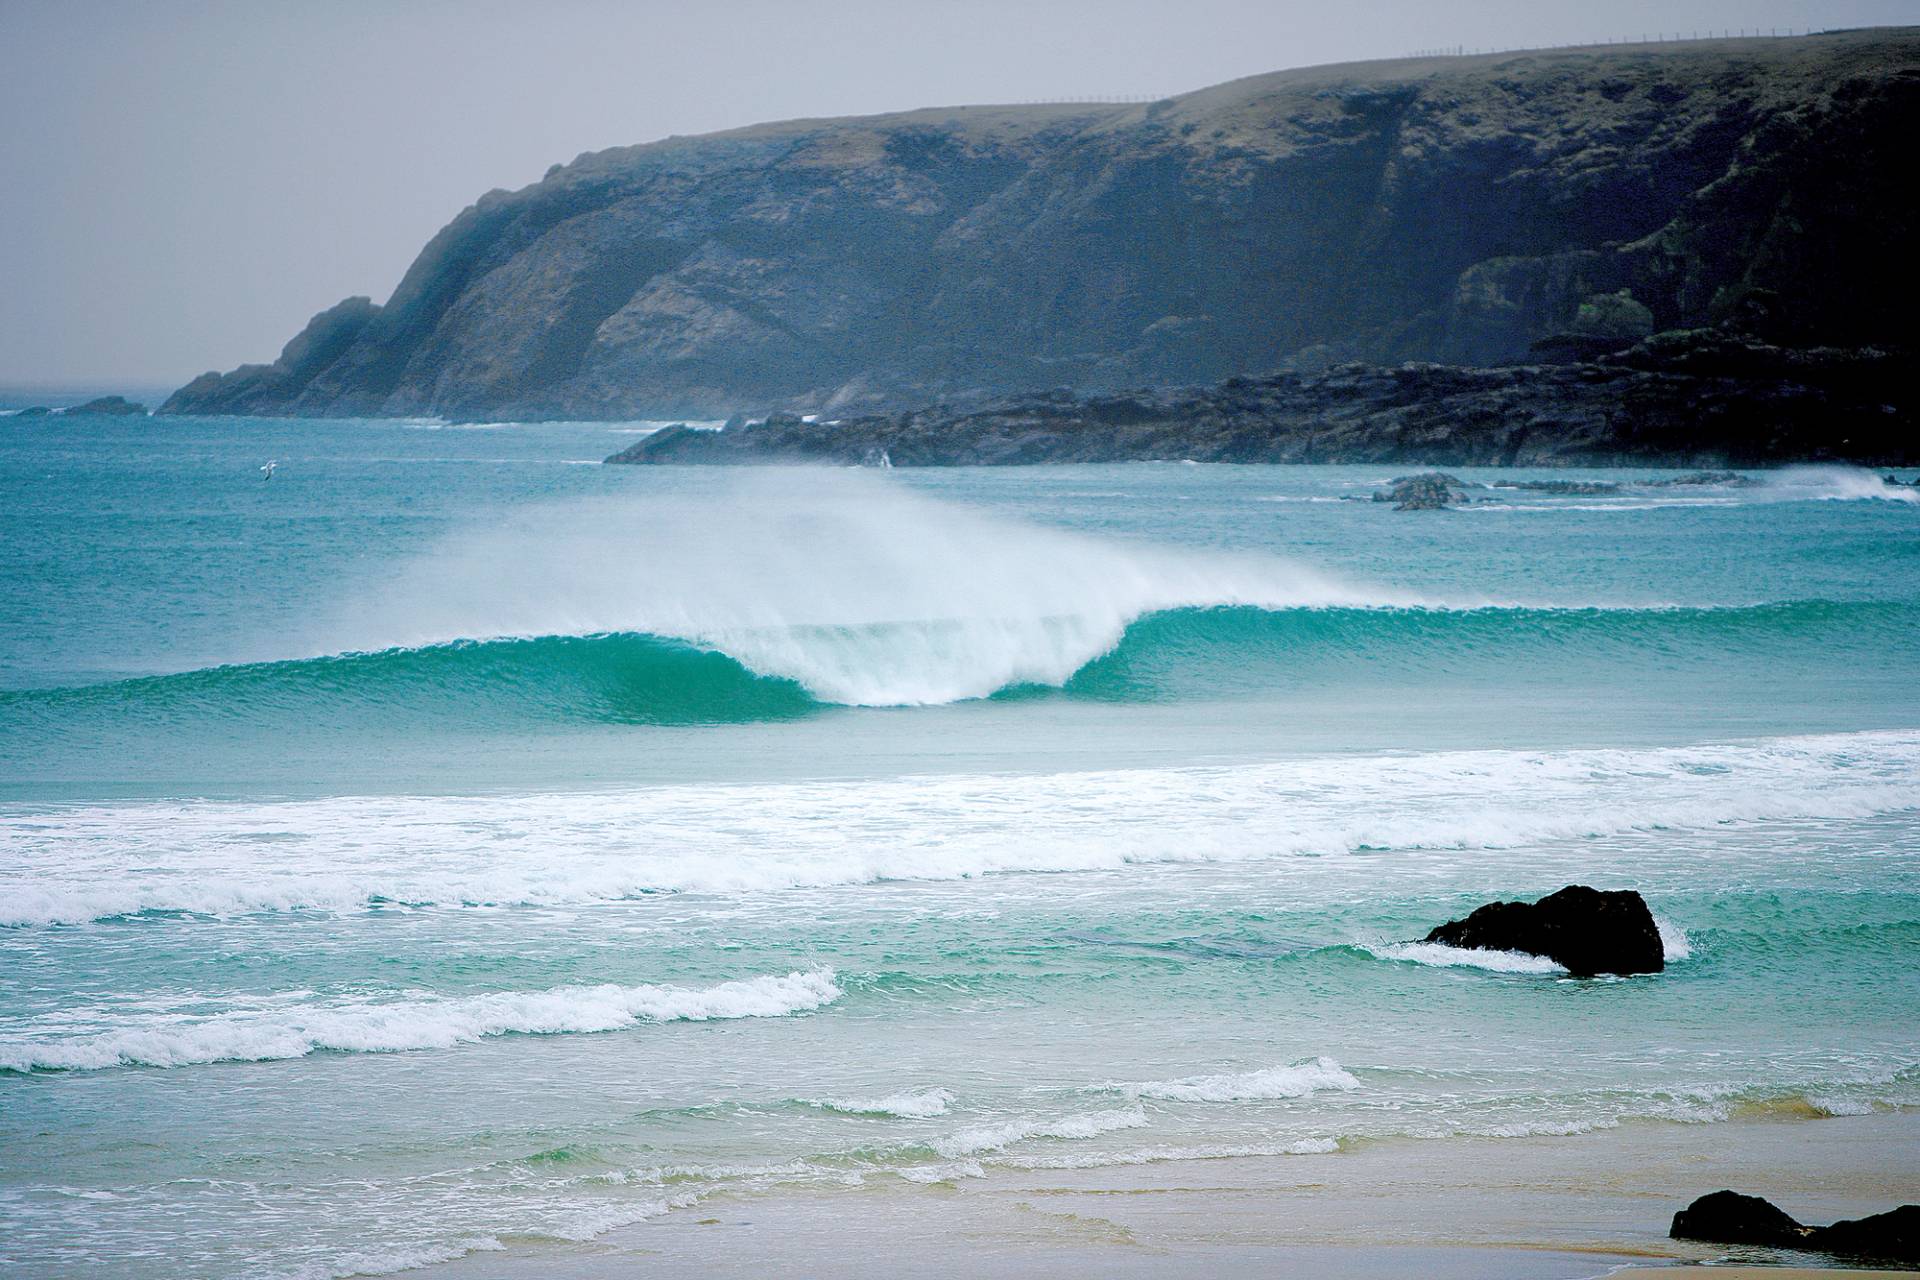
{"points": [[452, 845]]}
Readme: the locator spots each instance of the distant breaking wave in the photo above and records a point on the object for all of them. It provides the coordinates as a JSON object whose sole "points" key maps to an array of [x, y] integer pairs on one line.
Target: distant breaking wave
{"points": [[1190, 652], [395, 1026], [780, 595]]}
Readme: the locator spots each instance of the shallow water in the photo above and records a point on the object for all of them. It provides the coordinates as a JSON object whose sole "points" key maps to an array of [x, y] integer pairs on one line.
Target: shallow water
{"points": [[450, 843]]}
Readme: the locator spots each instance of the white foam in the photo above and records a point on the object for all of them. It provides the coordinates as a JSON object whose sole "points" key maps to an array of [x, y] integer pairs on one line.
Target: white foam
{"points": [[1164, 1154], [996, 1137], [1673, 941], [858, 588], [932, 1173], [386, 1262], [70, 864], [1293, 1081], [921, 1104], [1833, 484], [393, 1026], [1442, 956]]}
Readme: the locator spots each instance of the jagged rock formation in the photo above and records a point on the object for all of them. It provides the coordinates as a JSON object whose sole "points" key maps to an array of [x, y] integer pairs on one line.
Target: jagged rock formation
{"points": [[1454, 210], [1678, 399], [1429, 491]]}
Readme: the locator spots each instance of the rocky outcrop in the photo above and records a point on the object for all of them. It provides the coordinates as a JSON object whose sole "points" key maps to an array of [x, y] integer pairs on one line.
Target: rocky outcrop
{"points": [[265, 389], [1706, 399], [1586, 931], [104, 407], [1431, 491], [1452, 210], [1727, 1217], [1893, 1236]]}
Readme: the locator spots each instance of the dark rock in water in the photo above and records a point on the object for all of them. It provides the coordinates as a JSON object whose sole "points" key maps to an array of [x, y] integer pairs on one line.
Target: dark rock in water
{"points": [[1727, 1217], [1433, 491], [1719, 479], [1893, 1236], [37, 411], [1565, 487], [105, 407], [1588, 931]]}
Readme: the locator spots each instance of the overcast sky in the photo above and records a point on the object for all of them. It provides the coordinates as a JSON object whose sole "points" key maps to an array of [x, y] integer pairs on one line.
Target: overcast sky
{"points": [[184, 182]]}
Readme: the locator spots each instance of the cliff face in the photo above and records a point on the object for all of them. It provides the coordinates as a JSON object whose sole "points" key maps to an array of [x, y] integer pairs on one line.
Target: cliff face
{"points": [[1451, 209]]}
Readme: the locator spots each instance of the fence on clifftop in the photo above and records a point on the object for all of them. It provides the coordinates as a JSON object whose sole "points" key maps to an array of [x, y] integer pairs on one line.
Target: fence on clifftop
{"points": [[1657, 37]]}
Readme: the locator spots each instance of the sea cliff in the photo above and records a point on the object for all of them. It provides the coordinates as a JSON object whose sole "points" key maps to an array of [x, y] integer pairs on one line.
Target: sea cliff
{"points": [[1453, 211]]}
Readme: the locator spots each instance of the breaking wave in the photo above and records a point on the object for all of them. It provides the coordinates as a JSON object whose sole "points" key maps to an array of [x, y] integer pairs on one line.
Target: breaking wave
{"points": [[68, 863], [1197, 651], [395, 1026], [1294, 1081]]}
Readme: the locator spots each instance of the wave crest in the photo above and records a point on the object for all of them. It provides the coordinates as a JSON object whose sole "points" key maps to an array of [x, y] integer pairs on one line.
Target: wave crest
{"points": [[1202, 651], [1271, 1083], [397, 1026]]}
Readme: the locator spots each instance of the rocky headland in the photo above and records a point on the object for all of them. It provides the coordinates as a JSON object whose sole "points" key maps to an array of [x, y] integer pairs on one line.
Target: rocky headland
{"points": [[1690, 399], [102, 407], [1430, 258]]}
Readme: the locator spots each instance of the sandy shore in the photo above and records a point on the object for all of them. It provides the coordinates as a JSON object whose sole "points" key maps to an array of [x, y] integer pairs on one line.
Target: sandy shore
{"points": [[1540, 1208]]}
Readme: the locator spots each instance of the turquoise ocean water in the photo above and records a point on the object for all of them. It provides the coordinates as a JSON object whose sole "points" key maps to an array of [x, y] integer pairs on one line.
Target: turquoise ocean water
{"points": [[453, 844]]}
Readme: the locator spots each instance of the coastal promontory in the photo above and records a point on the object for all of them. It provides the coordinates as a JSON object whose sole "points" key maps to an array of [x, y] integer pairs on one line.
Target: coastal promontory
{"points": [[1465, 212]]}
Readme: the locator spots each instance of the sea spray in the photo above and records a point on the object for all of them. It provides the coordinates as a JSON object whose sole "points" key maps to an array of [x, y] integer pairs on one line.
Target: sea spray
{"points": [[857, 588]]}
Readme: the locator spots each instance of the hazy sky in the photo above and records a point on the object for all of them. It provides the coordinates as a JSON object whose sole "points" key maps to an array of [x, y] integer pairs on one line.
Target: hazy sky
{"points": [[184, 182]]}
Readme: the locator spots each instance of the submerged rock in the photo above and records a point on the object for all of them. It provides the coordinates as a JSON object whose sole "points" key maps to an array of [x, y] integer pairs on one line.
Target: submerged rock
{"points": [[1720, 479], [1588, 931], [41, 411], [1570, 488], [1727, 1217]]}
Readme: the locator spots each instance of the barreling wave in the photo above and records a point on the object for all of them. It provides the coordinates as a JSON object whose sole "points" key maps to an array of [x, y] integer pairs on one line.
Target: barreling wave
{"points": [[395, 1026], [627, 678], [634, 679]]}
